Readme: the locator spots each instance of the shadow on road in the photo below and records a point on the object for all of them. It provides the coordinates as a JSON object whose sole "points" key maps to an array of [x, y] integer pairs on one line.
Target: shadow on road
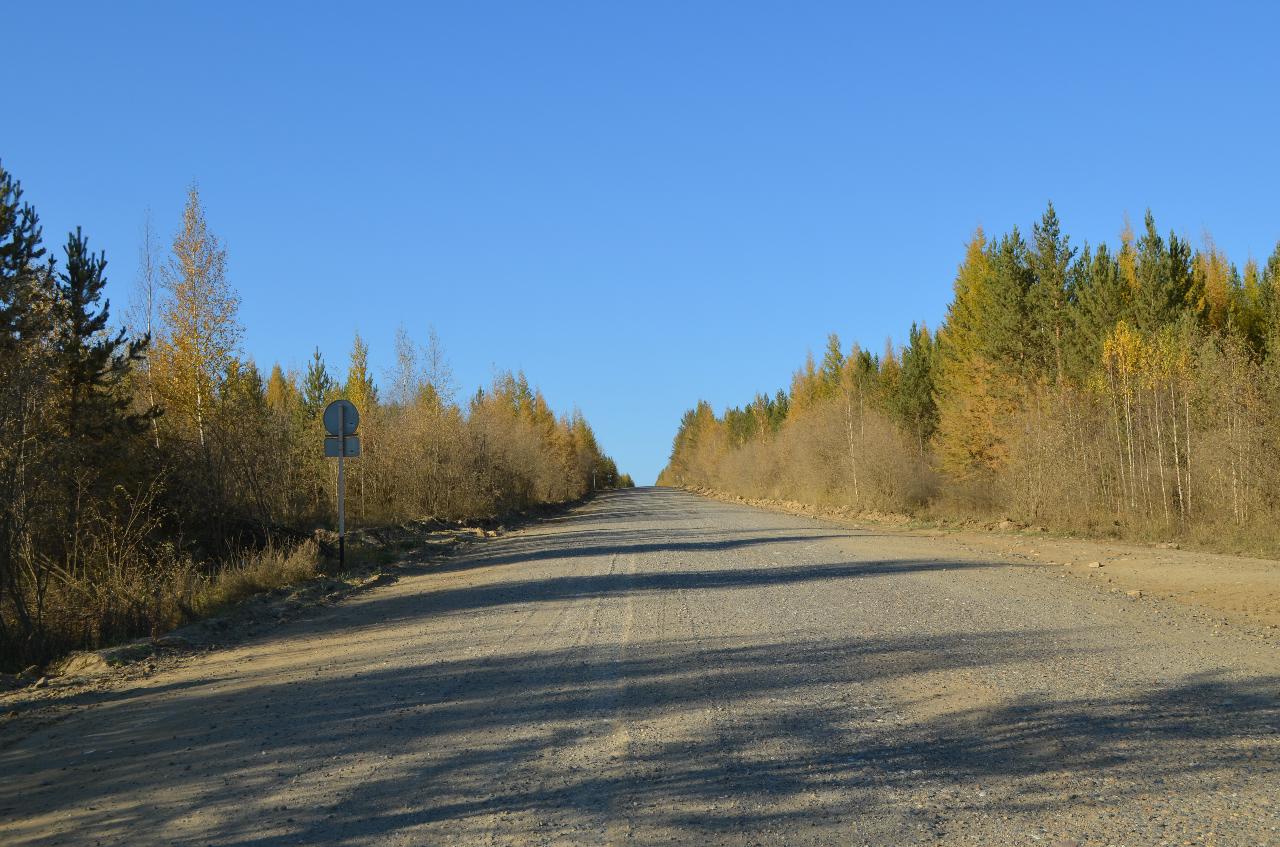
{"points": [[466, 738], [425, 727]]}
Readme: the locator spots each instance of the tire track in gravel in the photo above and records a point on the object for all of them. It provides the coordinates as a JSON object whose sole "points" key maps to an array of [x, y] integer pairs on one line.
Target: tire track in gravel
{"points": [[658, 668]]}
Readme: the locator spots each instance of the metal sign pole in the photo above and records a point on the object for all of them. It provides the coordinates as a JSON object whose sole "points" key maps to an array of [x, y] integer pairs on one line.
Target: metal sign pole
{"points": [[342, 489], [341, 420]]}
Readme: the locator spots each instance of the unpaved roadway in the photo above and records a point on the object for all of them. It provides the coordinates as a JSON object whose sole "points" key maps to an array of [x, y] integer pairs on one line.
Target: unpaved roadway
{"points": [[659, 668]]}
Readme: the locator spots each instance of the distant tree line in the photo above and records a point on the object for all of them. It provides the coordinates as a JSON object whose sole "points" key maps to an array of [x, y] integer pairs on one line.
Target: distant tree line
{"points": [[1127, 390], [136, 464]]}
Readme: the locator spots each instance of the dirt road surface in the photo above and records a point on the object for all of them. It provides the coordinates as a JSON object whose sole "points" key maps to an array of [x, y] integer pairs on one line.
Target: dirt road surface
{"points": [[659, 668]]}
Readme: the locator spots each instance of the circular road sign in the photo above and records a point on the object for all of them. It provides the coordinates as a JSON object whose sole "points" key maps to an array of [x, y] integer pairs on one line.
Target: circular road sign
{"points": [[347, 411]]}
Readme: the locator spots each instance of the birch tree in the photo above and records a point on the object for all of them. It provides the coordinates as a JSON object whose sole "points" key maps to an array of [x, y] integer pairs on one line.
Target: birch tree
{"points": [[199, 332]]}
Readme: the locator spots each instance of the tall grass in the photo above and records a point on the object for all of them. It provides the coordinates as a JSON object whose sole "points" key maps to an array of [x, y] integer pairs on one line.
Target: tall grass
{"points": [[273, 566], [124, 586]]}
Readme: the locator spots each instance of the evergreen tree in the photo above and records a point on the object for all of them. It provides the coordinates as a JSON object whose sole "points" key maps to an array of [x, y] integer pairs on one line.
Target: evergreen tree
{"points": [[94, 362], [1269, 303], [741, 425], [20, 250], [769, 413], [106, 535], [26, 298], [781, 408], [1162, 278], [317, 386], [1132, 389], [1047, 296], [1249, 308], [914, 403], [1007, 326], [93, 366], [1100, 297]]}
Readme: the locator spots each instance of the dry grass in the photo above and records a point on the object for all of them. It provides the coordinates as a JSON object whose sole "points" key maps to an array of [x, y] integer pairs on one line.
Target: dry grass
{"points": [[1062, 469], [262, 570], [152, 591]]}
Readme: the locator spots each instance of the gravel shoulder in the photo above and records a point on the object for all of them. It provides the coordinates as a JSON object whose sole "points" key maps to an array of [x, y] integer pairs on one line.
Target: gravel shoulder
{"points": [[657, 667], [1239, 590]]}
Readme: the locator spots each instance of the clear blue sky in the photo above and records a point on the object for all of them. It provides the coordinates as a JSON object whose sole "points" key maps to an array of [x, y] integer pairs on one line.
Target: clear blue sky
{"points": [[639, 204]]}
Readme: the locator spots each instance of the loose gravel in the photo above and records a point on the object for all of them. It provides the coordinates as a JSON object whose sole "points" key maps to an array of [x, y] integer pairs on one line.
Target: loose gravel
{"points": [[659, 668]]}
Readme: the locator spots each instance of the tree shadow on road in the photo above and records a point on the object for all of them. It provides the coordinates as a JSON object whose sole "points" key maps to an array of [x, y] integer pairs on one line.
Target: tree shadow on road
{"points": [[458, 742], [695, 738], [567, 545]]}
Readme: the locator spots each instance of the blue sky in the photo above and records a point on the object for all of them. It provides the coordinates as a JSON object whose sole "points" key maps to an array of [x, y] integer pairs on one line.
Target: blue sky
{"points": [[638, 204]]}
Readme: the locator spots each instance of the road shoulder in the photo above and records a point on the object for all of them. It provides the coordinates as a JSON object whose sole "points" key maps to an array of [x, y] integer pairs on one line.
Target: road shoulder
{"points": [[1239, 592]]}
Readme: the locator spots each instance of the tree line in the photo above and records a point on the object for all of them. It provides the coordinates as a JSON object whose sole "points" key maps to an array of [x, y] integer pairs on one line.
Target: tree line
{"points": [[1129, 389], [138, 464]]}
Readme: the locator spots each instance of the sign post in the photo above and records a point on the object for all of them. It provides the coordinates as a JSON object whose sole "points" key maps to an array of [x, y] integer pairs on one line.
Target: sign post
{"points": [[341, 419]]}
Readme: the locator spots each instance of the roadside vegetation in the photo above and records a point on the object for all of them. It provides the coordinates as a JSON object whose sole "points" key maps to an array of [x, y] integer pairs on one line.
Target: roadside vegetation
{"points": [[150, 472], [1127, 390]]}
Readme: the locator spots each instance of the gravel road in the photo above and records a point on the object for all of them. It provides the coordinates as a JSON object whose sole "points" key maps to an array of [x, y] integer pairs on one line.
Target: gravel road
{"points": [[659, 668]]}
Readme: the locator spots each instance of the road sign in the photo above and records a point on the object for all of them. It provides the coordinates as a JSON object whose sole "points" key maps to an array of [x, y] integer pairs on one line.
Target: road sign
{"points": [[341, 418], [335, 448], [340, 421]]}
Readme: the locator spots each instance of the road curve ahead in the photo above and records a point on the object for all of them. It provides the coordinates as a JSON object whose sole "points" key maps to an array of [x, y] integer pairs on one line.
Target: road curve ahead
{"points": [[658, 668]]}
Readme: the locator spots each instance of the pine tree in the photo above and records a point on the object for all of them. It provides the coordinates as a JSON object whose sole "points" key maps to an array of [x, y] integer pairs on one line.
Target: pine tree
{"points": [[1271, 275], [94, 363], [741, 425], [1250, 308], [26, 370], [1100, 297], [1049, 322], [317, 386], [781, 409], [1007, 336], [1162, 278], [20, 251], [93, 366], [1269, 303], [914, 403]]}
